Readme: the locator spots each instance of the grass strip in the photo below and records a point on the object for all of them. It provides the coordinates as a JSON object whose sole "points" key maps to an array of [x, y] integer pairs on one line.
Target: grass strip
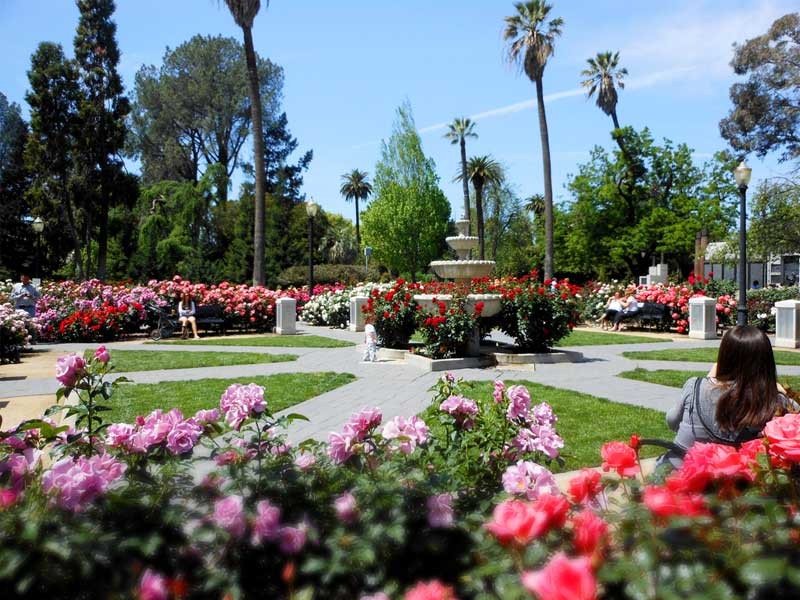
{"points": [[707, 355], [130, 361], [282, 391], [266, 340], [676, 378], [581, 337]]}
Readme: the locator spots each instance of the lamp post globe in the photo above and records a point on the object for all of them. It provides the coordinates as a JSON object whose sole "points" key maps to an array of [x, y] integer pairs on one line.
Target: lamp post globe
{"points": [[742, 175], [38, 228]]}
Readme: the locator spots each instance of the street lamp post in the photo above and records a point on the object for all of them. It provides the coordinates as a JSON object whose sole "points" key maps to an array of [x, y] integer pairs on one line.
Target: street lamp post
{"points": [[312, 208], [367, 254], [38, 227], [742, 175]]}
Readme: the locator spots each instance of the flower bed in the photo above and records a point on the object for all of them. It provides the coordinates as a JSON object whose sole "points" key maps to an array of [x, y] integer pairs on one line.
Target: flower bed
{"points": [[96, 311], [331, 307], [456, 504]]}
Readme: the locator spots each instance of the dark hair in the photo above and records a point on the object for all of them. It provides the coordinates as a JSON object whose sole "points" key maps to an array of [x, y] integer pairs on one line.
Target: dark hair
{"points": [[186, 295], [745, 361]]}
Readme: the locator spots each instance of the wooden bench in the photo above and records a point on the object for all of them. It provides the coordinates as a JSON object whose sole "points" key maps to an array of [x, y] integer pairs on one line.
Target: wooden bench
{"points": [[210, 316], [653, 314]]}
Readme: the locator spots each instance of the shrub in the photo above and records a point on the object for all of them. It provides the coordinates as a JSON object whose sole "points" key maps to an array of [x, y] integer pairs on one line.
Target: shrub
{"points": [[537, 317], [447, 332], [395, 313], [761, 303]]}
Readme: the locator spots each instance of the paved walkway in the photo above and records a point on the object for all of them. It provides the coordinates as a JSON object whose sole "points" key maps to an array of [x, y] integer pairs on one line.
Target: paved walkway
{"points": [[397, 388]]}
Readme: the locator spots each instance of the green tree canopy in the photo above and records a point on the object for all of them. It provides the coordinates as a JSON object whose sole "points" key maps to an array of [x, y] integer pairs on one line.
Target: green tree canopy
{"points": [[408, 219], [611, 223], [766, 107]]}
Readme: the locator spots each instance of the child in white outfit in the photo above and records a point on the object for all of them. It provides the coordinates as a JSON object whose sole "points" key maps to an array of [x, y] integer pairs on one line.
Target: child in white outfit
{"points": [[371, 338]]}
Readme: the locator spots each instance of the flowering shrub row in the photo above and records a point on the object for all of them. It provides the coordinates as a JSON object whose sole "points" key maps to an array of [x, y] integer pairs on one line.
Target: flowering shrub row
{"points": [[95, 311], [17, 326]]}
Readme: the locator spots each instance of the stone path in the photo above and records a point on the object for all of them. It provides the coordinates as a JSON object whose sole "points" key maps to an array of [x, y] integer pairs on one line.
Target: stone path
{"points": [[395, 387]]}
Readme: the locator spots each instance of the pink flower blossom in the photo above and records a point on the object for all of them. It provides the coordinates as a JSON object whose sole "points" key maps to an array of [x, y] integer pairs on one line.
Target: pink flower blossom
{"points": [[539, 438], [267, 523], [562, 579], [204, 417], [462, 409], [305, 460], [76, 483], [8, 497], [440, 510], [519, 402], [499, 390], [376, 596], [346, 508], [183, 437], [431, 590], [620, 457], [240, 401], [292, 539], [102, 355], [229, 515], [340, 447], [153, 586], [118, 435], [69, 369], [528, 479], [410, 433], [543, 414]]}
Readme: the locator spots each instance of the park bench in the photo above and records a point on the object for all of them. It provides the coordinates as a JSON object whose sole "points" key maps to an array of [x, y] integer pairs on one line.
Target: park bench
{"points": [[653, 315], [210, 316]]}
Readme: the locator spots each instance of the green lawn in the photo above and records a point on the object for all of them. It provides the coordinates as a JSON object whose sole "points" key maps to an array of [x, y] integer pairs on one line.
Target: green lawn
{"points": [[676, 378], [581, 337], [268, 340], [129, 361], [282, 391], [587, 422], [709, 355]]}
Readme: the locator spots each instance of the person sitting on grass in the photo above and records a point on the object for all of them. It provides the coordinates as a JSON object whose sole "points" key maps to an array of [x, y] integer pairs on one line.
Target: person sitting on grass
{"points": [[630, 308], [734, 401], [613, 307], [186, 311]]}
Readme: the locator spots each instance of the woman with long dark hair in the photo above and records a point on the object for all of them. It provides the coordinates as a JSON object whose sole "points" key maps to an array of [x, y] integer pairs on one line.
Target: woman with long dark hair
{"points": [[735, 400]]}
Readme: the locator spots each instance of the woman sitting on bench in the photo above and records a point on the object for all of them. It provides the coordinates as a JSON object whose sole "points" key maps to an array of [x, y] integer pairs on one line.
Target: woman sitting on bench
{"points": [[186, 310], [630, 308]]}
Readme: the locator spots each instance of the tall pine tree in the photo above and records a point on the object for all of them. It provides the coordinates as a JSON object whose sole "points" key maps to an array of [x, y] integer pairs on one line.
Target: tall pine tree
{"points": [[102, 110]]}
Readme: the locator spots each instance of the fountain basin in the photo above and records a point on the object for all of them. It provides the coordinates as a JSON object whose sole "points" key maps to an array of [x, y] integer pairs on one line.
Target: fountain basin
{"points": [[462, 270], [491, 302], [462, 244]]}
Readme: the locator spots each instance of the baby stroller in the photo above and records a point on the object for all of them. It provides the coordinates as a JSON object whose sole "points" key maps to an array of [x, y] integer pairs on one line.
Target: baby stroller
{"points": [[165, 323]]}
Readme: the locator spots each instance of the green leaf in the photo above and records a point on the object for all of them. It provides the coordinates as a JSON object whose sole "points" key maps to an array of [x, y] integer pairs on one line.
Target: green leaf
{"points": [[762, 571], [295, 417]]}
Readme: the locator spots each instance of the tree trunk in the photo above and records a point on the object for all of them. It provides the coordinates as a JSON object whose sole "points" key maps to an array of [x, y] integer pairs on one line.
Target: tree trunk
{"points": [[259, 275], [464, 180], [614, 118], [496, 228], [479, 218], [358, 231], [548, 183], [66, 207]]}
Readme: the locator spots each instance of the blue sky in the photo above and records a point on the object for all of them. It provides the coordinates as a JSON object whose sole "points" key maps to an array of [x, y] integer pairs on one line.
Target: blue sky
{"points": [[349, 64]]}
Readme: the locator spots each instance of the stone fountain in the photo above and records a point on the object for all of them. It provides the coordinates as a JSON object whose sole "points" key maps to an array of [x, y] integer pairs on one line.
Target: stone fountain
{"points": [[463, 270]]}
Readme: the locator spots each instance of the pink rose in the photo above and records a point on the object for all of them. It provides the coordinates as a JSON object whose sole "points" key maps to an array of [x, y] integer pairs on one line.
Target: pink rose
{"points": [[267, 523], [620, 457], [229, 515], [499, 389], [305, 460], [432, 590], [69, 369], [526, 478], [783, 434], [515, 522], [411, 432], [562, 579], [8, 498], [292, 539], [346, 508], [102, 355], [204, 417], [519, 402], [153, 586], [118, 435], [440, 511], [183, 437], [664, 502]]}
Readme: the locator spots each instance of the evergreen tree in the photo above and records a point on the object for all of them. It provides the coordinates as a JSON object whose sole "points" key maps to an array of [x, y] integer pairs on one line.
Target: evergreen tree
{"points": [[102, 110]]}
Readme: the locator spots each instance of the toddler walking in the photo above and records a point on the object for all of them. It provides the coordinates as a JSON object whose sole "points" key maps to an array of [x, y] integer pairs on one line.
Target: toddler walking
{"points": [[371, 338]]}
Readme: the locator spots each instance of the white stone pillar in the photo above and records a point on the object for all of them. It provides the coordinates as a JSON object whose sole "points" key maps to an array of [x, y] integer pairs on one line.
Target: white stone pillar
{"points": [[703, 318], [787, 323], [286, 316], [357, 303]]}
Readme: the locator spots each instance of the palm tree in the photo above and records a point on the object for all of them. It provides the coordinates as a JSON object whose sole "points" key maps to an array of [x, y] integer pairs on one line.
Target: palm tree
{"points": [[356, 187], [601, 76], [535, 204], [244, 13], [531, 41], [458, 132], [482, 170]]}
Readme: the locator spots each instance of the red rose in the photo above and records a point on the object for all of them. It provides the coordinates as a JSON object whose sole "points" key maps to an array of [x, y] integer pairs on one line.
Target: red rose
{"points": [[585, 486], [386, 314], [664, 502], [620, 457], [588, 531]]}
